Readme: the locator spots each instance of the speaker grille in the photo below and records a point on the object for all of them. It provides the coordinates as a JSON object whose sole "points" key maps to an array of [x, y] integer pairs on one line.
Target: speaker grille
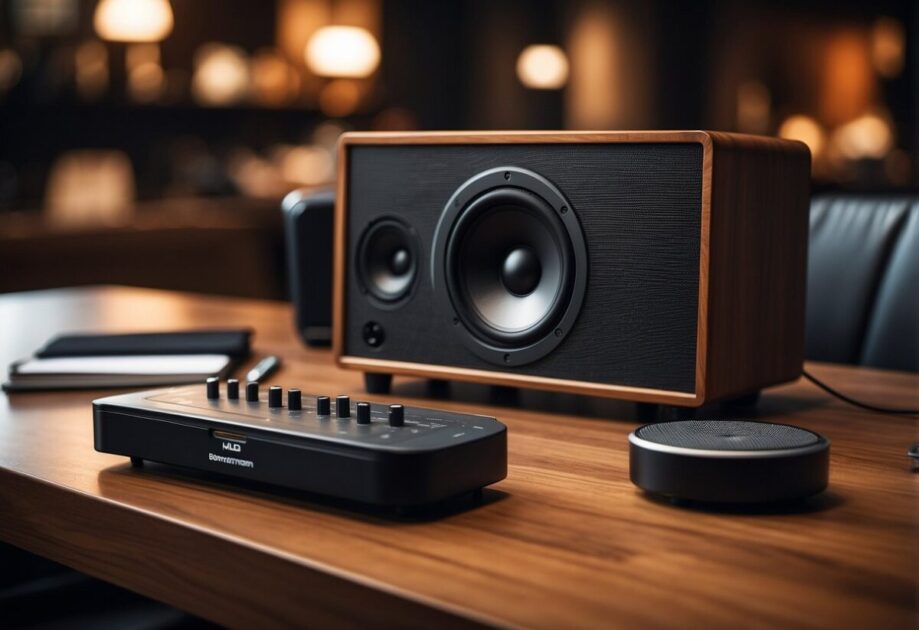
{"points": [[639, 206], [727, 435]]}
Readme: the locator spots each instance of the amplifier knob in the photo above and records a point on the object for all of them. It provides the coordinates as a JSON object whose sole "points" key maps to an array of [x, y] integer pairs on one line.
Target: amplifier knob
{"points": [[363, 413], [274, 396], [213, 388], [293, 400], [323, 406], [252, 391], [396, 415], [233, 389], [343, 406]]}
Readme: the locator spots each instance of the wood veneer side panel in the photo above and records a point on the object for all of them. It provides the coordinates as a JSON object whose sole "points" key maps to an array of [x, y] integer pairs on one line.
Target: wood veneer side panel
{"points": [[339, 250], [758, 263], [704, 265], [204, 574]]}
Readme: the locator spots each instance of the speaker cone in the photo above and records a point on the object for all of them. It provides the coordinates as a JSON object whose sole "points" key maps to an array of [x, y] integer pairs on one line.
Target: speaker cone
{"points": [[510, 259], [509, 266], [387, 260]]}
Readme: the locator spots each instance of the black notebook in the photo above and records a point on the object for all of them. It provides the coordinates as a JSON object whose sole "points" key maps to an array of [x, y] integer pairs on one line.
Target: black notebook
{"points": [[233, 343], [135, 360]]}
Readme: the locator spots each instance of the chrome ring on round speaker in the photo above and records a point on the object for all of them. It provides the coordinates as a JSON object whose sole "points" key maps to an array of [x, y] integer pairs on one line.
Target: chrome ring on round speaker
{"points": [[387, 260], [509, 265]]}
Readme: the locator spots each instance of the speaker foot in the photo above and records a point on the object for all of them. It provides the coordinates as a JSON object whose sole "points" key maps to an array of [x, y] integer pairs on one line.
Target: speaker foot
{"points": [[504, 395], [137, 462], [478, 497], [376, 383], [653, 412], [747, 400], [438, 388]]}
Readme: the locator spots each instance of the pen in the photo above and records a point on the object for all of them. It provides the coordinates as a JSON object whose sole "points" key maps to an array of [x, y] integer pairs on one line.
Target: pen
{"points": [[263, 368]]}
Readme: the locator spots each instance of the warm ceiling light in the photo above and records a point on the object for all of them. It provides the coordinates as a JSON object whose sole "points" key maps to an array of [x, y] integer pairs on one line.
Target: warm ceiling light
{"points": [[133, 20], [342, 51], [542, 67], [805, 129]]}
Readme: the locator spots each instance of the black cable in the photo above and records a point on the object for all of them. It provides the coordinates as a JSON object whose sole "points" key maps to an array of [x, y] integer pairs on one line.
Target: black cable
{"points": [[856, 403]]}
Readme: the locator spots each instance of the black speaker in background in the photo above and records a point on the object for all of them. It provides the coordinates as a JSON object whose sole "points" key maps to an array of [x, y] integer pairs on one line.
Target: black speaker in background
{"points": [[308, 226]]}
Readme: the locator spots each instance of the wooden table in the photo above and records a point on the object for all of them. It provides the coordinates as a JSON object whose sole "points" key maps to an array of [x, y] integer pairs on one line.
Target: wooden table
{"points": [[566, 540]]}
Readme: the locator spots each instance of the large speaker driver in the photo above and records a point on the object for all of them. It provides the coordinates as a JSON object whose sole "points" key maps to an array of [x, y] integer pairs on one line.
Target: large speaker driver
{"points": [[387, 260], [509, 265]]}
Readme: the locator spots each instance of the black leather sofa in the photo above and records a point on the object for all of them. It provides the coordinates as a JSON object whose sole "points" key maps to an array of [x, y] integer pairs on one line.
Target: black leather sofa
{"points": [[863, 281]]}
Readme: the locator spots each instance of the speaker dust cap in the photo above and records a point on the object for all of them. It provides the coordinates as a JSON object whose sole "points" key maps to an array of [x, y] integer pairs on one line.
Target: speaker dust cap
{"points": [[509, 265]]}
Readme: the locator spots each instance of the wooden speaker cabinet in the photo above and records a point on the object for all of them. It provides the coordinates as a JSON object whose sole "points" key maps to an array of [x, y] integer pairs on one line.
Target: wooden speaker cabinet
{"points": [[665, 267]]}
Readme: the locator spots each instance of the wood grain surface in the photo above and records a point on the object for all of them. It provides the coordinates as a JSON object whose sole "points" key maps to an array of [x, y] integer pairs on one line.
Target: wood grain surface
{"points": [[566, 540]]}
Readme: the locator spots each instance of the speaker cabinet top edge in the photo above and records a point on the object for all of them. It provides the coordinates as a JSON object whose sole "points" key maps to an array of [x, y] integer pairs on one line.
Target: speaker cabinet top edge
{"points": [[523, 137], [706, 138]]}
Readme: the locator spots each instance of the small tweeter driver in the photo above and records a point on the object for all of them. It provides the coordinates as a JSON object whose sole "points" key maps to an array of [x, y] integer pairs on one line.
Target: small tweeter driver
{"points": [[728, 461]]}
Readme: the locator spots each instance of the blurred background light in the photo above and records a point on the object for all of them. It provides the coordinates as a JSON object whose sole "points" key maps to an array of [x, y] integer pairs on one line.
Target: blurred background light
{"points": [[342, 51], [90, 186], [888, 42], [339, 98], [542, 67], [133, 20], [805, 129], [753, 107], [274, 81], [140, 54], [146, 83], [254, 175], [146, 79], [868, 136], [10, 69], [221, 75], [306, 165], [327, 134], [91, 69], [848, 85]]}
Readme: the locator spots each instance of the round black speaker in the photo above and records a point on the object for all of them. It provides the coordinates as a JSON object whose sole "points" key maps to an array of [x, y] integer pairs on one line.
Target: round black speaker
{"points": [[728, 461], [387, 260], [509, 265]]}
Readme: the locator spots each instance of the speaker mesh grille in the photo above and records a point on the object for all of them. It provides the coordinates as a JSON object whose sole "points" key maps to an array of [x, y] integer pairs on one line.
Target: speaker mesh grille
{"points": [[639, 208], [727, 435]]}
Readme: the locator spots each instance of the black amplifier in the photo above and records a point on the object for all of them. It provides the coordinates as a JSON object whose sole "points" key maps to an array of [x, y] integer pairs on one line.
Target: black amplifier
{"points": [[380, 454]]}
